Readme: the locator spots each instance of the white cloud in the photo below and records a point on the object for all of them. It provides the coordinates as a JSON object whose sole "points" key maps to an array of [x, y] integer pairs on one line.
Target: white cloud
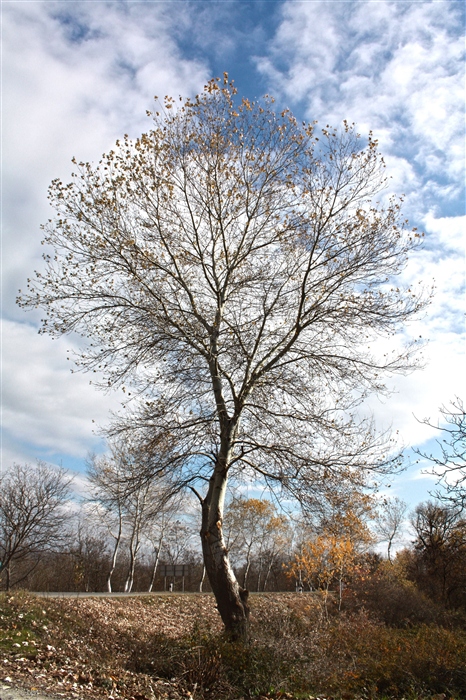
{"points": [[81, 486], [449, 231], [420, 394], [396, 68], [76, 76], [74, 97], [43, 403]]}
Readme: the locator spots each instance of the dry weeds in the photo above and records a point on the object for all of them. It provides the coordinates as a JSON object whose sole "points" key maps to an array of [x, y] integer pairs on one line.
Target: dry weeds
{"points": [[170, 647]]}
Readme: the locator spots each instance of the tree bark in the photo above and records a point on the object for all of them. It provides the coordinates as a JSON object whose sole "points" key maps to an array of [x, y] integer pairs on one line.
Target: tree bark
{"points": [[202, 579], [157, 550], [8, 576], [389, 549], [232, 599], [246, 570], [133, 552], [267, 575], [113, 561], [154, 569]]}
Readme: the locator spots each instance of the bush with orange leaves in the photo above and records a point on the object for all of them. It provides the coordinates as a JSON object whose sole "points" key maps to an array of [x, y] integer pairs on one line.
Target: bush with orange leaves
{"points": [[323, 561]]}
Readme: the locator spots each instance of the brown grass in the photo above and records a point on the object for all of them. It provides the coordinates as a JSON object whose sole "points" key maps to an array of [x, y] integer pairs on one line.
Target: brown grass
{"points": [[170, 646]]}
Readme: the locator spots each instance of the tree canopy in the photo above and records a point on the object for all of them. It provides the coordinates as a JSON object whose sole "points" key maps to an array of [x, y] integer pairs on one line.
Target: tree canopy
{"points": [[32, 515], [233, 271]]}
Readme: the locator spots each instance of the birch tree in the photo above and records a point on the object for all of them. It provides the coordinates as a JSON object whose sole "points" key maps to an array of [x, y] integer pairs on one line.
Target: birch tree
{"points": [[321, 561], [389, 522], [232, 269], [275, 547], [108, 496], [126, 503], [156, 531], [255, 535], [139, 510]]}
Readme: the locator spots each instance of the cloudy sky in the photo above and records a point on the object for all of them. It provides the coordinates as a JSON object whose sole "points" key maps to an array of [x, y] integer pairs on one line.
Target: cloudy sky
{"points": [[78, 75]]}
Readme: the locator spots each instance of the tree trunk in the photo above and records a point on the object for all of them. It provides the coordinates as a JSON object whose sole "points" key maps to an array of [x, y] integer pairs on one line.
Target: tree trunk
{"points": [[157, 550], [134, 545], [201, 583], [232, 599], [154, 570], [259, 574], [267, 575], [389, 549], [113, 562], [246, 570], [8, 576], [128, 587]]}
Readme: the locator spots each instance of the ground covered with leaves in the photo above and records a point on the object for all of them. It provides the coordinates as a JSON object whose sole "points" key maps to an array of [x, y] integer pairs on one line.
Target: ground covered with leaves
{"points": [[171, 647]]}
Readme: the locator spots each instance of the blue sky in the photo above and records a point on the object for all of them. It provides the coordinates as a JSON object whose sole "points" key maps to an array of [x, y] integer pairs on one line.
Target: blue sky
{"points": [[77, 75]]}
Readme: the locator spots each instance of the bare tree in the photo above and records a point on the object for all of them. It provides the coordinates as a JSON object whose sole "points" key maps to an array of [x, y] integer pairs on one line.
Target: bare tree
{"points": [[157, 529], [233, 269], [389, 522], [245, 528], [88, 555], [440, 547], [32, 515], [136, 517], [450, 465], [155, 536], [275, 546], [177, 542], [126, 502], [108, 494]]}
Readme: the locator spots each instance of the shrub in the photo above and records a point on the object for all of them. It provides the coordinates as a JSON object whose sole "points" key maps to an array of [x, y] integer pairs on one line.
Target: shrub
{"points": [[424, 659], [389, 597]]}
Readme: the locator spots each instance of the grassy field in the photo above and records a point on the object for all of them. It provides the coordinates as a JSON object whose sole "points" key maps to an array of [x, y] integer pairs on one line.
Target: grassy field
{"points": [[171, 646]]}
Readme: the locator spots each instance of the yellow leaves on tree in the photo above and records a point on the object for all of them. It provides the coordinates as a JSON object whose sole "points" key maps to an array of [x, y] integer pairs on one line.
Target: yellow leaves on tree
{"points": [[324, 561]]}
